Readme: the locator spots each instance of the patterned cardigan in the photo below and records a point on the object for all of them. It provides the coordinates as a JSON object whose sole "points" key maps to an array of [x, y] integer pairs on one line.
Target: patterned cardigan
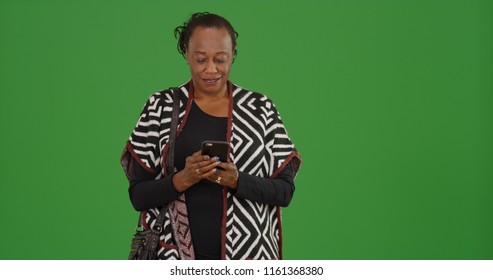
{"points": [[259, 145]]}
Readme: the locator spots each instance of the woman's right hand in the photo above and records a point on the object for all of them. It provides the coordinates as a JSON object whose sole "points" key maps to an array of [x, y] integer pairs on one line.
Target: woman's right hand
{"points": [[197, 167]]}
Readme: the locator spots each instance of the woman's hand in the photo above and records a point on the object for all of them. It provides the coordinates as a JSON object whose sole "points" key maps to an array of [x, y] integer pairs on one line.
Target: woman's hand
{"points": [[227, 177], [197, 167]]}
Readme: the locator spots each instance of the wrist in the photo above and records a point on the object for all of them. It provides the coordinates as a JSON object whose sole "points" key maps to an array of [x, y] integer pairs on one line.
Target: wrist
{"points": [[234, 186], [179, 182]]}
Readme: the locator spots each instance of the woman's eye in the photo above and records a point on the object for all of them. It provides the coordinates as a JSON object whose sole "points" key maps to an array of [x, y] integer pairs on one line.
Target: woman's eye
{"points": [[200, 60], [220, 60]]}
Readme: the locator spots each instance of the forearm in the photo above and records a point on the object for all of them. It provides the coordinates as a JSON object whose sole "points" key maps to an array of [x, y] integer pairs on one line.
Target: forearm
{"points": [[152, 193], [145, 192], [276, 192]]}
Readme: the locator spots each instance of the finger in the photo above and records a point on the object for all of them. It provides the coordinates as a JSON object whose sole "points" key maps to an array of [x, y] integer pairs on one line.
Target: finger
{"points": [[205, 166], [225, 175], [229, 174], [209, 173], [203, 163], [190, 160], [214, 179], [219, 172], [196, 157], [227, 166]]}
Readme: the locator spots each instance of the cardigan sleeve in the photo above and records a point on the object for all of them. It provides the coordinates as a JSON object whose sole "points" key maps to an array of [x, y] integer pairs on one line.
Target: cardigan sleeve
{"points": [[146, 192], [277, 192]]}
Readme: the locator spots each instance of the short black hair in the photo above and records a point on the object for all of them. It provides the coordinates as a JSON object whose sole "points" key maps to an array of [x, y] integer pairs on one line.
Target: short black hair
{"points": [[203, 19]]}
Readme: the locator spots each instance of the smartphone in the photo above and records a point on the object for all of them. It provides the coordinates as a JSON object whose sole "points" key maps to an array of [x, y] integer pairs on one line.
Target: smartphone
{"points": [[216, 148]]}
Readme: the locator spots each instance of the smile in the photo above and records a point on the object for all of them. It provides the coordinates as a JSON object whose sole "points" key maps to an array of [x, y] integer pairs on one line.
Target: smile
{"points": [[211, 81]]}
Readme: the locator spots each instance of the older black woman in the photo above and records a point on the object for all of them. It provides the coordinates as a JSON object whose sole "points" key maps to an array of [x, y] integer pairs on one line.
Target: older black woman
{"points": [[216, 210]]}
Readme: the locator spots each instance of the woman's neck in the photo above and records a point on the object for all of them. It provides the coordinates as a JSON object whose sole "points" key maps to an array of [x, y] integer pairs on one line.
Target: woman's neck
{"points": [[212, 96]]}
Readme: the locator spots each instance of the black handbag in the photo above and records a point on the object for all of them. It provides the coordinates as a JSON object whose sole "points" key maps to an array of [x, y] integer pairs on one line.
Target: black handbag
{"points": [[145, 242]]}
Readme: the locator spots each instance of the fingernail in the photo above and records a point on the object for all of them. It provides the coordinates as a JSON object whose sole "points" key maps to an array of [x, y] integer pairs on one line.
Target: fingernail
{"points": [[206, 157], [218, 162], [214, 170]]}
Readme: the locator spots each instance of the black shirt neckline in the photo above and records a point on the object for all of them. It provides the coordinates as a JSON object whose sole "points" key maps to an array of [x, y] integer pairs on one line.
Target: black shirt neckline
{"points": [[196, 106]]}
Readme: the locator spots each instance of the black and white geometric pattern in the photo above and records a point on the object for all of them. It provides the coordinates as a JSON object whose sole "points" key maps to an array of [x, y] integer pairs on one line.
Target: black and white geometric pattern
{"points": [[260, 146]]}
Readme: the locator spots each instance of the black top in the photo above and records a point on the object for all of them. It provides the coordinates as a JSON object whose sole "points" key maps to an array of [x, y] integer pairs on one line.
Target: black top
{"points": [[204, 199]]}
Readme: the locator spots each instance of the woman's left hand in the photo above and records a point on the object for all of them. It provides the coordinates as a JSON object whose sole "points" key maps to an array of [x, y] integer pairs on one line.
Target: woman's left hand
{"points": [[227, 177]]}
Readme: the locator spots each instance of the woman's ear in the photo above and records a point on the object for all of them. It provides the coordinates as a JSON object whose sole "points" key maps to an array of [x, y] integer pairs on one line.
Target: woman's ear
{"points": [[234, 55]]}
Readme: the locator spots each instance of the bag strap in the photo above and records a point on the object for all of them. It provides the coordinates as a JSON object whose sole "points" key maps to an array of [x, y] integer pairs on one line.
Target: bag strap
{"points": [[170, 158]]}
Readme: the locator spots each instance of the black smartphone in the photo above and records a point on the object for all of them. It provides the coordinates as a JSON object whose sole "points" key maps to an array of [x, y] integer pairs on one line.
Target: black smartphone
{"points": [[216, 148]]}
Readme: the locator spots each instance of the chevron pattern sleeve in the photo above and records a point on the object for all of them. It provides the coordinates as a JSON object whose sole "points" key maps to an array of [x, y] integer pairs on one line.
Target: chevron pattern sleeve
{"points": [[281, 149], [146, 142]]}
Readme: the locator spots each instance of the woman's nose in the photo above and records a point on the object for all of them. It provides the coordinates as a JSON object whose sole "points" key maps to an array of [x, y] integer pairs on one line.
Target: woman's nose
{"points": [[210, 67]]}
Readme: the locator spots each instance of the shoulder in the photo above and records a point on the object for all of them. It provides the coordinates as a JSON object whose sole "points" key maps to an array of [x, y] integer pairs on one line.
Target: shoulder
{"points": [[252, 99], [164, 98]]}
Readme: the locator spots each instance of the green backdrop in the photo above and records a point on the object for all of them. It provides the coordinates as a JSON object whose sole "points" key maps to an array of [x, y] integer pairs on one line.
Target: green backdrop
{"points": [[390, 104]]}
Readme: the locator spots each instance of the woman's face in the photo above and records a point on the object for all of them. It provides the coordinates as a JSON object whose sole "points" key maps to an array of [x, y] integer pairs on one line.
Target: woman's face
{"points": [[210, 54]]}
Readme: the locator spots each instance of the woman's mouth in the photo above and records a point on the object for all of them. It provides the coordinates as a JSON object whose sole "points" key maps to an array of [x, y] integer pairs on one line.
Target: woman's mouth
{"points": [[211, 81]]}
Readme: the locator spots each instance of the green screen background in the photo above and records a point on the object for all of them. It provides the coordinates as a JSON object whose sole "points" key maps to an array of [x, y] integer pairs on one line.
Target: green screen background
{"points": [[390, 104]]}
